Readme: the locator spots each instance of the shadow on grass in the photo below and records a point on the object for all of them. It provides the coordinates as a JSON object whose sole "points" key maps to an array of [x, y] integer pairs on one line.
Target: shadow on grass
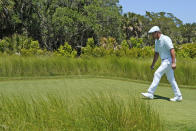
{"points": [[159, 97]]}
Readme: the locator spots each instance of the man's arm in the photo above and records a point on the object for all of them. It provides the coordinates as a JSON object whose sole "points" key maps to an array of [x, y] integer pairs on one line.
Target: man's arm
{"points": [[156, 56], [172, 51]]}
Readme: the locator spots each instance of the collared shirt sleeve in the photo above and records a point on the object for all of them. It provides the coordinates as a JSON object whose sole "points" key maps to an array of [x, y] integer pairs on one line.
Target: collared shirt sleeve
{"points": [[168, 43]]}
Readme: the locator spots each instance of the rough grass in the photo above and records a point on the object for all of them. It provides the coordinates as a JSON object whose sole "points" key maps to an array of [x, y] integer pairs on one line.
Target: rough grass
{"points": [[74, 102], [93, 112], [138, 69]]}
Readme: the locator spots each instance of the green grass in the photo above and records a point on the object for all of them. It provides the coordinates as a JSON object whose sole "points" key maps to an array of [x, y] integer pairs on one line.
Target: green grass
{"points": [[45, 104], [137, 69], [23, 106]]}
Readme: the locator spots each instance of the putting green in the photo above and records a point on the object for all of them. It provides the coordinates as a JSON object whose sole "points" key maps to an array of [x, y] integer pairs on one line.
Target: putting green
{"points": [[176, 115]]}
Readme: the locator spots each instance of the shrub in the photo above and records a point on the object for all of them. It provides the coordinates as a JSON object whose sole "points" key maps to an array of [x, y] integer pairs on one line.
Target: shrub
{"points": [[32, 49], [99, 52], [66, 50], [90, 42], [136, 42], [108, 43], [21, 45], [15, 43], [124, 44], [4, 46], [109, 47], [147, 51], [186, 50], [87, 51], [134, 52]]}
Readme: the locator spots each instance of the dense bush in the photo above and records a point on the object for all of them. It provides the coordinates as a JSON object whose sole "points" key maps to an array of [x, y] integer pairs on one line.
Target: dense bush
{"points": [[89, 47], [186, 50], [109, 47], [132, 48], [136, 42], [66, 50], [14, 44], [22, 45]]}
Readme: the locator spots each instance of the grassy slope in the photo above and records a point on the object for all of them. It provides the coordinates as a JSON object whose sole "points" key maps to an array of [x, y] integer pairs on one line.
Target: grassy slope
{"points": [[178, 116]]}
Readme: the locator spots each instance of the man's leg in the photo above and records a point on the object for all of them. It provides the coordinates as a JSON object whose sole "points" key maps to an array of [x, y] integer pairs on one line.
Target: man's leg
{"points": [[157, 77], [171, 79]]}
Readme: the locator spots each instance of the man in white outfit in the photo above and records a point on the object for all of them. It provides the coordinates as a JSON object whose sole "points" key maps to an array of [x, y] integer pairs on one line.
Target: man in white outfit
{"points": [[163, 48]]}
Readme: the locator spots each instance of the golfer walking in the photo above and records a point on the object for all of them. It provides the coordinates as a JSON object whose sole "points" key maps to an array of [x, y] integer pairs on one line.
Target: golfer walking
{"points": [[163, 48]]}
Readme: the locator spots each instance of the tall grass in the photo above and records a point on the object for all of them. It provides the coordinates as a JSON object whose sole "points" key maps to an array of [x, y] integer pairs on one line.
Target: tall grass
{"points": [[95, 112], [139, 69]]}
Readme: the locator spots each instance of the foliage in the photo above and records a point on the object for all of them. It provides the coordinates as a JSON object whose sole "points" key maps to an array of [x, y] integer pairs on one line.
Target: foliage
{"points": [[15, 43], [96, 26], [55, 22], [91, 42], [124, 44], [133, 25], [147, 51], [132, 48], [66, 50], [188, 32], [100, 52], [109, 47], [87, 50], [34, 52], [21, 45], [186, 50], [108, 43], [136, 42]]}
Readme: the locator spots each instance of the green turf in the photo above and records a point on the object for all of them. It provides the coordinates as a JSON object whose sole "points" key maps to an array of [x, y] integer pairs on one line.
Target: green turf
{"points": [[177, 116]]}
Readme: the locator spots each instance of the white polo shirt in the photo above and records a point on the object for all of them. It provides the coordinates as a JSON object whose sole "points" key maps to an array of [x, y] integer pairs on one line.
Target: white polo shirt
{"points": [[163, 46]]}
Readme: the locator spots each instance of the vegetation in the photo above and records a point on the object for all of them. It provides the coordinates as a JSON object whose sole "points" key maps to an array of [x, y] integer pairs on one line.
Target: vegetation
{"points": [[138, 69], [98, 112], [24, 46], [57, 103], [53, 23], [43, 38]]}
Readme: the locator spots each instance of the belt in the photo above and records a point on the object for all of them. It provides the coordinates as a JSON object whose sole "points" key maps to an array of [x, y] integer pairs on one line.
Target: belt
{"points": [[164, 59]]}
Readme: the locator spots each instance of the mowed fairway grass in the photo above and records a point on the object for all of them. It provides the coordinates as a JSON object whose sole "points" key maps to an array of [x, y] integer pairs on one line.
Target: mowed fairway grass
{"points": [[174, 116]]}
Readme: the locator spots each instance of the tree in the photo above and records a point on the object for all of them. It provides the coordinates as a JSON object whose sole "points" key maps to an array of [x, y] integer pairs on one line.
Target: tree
{"points": [[8, 18], [188, 32], [168, 23], [133, 25]]}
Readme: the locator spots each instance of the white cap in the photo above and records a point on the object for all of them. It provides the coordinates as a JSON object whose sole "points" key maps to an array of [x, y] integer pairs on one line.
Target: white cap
{"points": [[154, 29]]}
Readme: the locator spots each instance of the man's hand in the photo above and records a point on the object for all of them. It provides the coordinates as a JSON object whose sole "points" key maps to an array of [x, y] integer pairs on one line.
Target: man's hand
{"points": [[173, 66], [156, 55], [152, 67], [172, 51]]}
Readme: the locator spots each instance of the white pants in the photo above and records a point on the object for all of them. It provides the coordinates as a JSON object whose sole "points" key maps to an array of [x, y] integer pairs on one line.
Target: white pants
{"points": [[165, 68]]}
